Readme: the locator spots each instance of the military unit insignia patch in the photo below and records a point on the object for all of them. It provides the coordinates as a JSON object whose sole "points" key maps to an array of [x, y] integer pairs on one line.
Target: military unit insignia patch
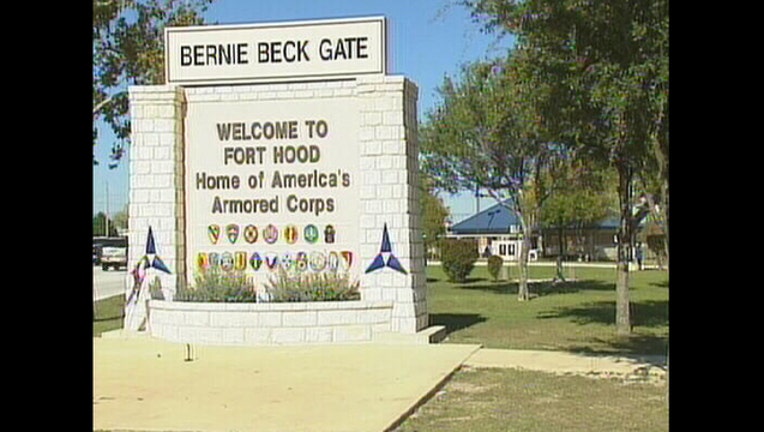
{"points": [[317, 261], [290, 234], [226, 263], [271, 259], [250, 234], [270, 234], [255, 261], [311, 234], [232, 231], [213, 231]]}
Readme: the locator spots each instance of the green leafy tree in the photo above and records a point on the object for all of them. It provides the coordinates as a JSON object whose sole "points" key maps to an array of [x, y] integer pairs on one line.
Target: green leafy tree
{"points": [[100, 223], [584, 195], [434, 215], [483, 136], [121, 218], [128, 39], [607, 64]]}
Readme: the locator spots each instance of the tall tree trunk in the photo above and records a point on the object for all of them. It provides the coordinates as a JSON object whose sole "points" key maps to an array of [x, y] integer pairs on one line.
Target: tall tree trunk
{"points": [[622, 309], [561, 253], [522, 292]]}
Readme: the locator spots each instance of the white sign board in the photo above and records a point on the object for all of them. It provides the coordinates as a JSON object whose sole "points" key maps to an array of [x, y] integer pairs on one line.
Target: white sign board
{"points": [[229, 54], [273, 185]]}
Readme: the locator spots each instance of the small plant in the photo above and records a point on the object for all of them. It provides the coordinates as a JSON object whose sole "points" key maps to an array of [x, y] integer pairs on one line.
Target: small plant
{"points": [[458, 258], [216, 285], [155, 289], [307, 287], [494, 266]]}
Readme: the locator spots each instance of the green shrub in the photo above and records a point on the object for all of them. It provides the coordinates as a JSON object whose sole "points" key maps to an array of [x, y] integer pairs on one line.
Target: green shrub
{"points": [[458, 258], [494, 266], [307, 287], [215, 285], [155, 289]]}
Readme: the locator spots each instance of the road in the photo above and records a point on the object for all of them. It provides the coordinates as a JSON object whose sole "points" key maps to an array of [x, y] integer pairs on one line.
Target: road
{"points": [[108, 283]]}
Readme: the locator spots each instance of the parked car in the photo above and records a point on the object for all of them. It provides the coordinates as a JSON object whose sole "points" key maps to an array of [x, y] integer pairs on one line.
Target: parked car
{"points": [[110, 252]]}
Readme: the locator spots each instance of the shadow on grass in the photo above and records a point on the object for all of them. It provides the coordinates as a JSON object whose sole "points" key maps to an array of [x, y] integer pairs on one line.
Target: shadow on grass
{"points": [[542, 288], [649, 313], [454, 322], [101, 319], [644, 348], [661, 284]]}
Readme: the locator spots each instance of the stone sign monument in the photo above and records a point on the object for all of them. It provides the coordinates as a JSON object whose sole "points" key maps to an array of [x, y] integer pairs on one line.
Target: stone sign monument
{"points": [[282, 146]]}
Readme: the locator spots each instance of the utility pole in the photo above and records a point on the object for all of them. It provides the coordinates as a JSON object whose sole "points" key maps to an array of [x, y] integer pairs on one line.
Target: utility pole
{"points": [[106, 219]]}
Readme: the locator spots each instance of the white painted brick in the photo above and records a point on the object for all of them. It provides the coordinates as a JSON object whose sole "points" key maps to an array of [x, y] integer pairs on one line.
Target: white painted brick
{"points": [[392, 118], [166, 197], [226, 318], [269, 319], [384, 191], [155, 195], [373, 206], [162, 167], [371, 148], [374, 316], [166, 139], [368, 221], [372, 177], [384, 162], [299, 318], [150, 139], [318, 334], [372, 118], [164, 125], [384, 132], [355, 333], [337, 317], [406, 325], [371, 294], [162, 180], [257, 335], [390, 177], [233, 335], [287, 335], [391, 206]]}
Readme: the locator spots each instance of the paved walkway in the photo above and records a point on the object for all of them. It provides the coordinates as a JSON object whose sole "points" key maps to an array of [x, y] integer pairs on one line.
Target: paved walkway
{"points": [[569, 363], [143, 384]]}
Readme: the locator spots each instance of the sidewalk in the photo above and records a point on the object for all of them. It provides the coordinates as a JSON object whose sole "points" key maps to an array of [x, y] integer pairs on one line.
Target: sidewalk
{"points": [[570, 363], [142, 384]]}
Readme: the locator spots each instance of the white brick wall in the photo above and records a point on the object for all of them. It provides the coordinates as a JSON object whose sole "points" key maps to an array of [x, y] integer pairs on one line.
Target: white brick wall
{"points": [[269, 323]]}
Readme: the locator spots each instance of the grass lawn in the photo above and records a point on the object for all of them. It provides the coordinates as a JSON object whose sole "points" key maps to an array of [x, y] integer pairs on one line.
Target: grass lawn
{"points": [[577, 316], [489, 400], [108, 314]]}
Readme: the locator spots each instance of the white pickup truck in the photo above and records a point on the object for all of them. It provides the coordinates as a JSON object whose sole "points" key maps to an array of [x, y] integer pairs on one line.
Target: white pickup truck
{"points": [[114, 255]]}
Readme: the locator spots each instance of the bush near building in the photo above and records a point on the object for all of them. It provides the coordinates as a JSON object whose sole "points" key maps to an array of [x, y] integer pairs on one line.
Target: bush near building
{"points": [[457, 257]]}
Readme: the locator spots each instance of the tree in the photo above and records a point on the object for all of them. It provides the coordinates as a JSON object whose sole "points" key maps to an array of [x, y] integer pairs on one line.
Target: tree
{"points": [[121, 219], [100, 223], [434, 216], [128, 44], [481, 137], [583, 196], [614, 56]]}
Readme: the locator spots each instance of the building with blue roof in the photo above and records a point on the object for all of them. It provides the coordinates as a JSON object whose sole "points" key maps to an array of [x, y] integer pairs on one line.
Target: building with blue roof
{"points": [[498, 231]]}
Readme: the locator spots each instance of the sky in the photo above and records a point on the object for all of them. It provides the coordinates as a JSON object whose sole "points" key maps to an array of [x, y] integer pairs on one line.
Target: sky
{"points": [[427, 40]]}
